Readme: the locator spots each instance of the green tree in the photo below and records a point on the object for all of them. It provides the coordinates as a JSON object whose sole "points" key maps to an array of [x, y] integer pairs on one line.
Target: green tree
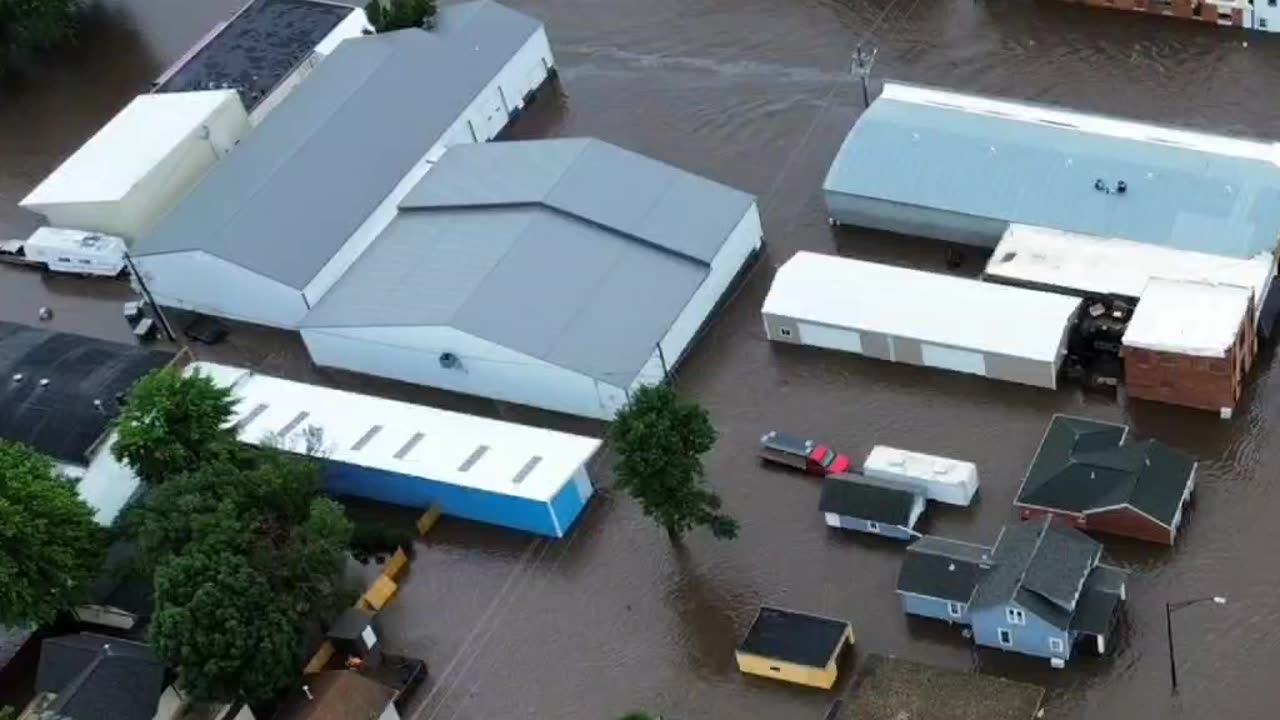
{"points": [[388, 15], [50, 546], [660, 439], [173, 422], [30, 26]]}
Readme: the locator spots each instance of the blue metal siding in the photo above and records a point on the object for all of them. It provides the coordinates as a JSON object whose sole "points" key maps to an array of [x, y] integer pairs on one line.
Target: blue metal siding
{"points": [[454, 500], [1029, 639], [932, 608], [567, 505]]}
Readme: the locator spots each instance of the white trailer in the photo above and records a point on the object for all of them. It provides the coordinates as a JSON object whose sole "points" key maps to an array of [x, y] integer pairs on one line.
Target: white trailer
{"points": [[937, 478], [75, 251]]}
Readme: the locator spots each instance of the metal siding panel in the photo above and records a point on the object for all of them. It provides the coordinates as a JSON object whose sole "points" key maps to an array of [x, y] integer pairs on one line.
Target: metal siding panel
{"points": [[928, 607], [829, 337], [566, 506], [965, 361]]}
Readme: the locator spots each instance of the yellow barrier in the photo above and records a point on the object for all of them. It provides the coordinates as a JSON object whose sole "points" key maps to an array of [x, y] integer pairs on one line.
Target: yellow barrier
{"points": [[395, 564], [428, 519], [380, 592], [320, 659]]}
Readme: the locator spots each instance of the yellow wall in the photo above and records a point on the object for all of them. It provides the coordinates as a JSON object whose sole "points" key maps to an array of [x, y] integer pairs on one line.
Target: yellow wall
{"points": [[823, 677]]}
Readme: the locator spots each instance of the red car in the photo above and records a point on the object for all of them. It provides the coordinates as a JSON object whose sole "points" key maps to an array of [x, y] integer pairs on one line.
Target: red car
{"points": [[801, 454]]}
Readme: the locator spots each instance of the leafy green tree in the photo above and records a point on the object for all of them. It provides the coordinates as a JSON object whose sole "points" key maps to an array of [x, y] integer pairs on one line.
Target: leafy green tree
{"points": [[50, 546], [29, 26], [223, 628], [388, 15], [660, 439], [172, 423]]}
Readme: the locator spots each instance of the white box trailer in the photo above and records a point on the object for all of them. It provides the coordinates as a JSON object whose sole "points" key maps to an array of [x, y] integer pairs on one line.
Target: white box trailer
{"points": [[137, 166], [74, 251], [921, 318], [936, 478]]}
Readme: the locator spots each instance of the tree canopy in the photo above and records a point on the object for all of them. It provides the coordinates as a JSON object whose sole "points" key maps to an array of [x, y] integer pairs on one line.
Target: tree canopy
{"points": [[388, 15], [50, 546], [173, 422], [660, 439], [29, 26]]}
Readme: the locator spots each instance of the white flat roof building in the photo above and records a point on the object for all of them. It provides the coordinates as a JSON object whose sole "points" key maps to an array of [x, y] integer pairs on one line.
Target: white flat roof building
{"points": [[1188, 318], [497, 472], [1047, 258]]}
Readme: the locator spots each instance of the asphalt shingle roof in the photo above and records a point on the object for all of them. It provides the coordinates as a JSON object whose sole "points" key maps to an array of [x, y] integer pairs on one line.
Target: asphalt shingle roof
{"points": [[940, 568], [1096, 611], [96, 677], [1061, 562], [1082, 466], [865, 501], [296, 188], [800, 638], [1182, 192], [572, 251]]}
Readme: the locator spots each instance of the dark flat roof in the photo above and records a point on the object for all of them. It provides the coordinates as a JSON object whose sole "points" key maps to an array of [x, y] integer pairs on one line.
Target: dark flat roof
{"points": [[59, 418], [794, 637], [867, 502], [257, 48]]}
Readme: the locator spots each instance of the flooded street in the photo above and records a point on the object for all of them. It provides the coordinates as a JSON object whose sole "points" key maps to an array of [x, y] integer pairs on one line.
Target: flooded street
{"points": [[758, 94]]}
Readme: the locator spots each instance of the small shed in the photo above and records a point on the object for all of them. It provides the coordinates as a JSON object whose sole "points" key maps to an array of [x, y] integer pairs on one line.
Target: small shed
{"points": [[936, 478], [873, 509], [1191, 343], [921, 318], [134, 169], [794, 646]]}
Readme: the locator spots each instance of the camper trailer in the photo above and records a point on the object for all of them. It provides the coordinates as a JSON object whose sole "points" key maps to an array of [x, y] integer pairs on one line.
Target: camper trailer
{"points": [[940, 479], [72, 251]]}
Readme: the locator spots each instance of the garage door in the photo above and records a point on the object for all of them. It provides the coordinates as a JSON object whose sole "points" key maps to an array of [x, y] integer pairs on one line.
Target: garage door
{"points": [[965, 361], [829, 337]]}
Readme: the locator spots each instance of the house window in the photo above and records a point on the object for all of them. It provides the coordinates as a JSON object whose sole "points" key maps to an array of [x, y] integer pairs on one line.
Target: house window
{"points": [[873, 526], [1006, 636], [1015, 616], [784, 332], [1055, 645], [954, 609]]}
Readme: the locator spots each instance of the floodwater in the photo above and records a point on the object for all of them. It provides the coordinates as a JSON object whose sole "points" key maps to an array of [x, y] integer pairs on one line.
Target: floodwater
{"points": [[757, 93]]}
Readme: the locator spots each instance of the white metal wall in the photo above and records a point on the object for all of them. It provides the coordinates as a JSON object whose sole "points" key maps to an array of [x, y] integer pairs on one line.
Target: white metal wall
{"points": [[745, 239], [202, 283], [412, 354]]}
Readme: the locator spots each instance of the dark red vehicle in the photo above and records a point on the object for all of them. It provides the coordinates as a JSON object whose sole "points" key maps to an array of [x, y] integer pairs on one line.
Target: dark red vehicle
{"points": [[806, 455]]}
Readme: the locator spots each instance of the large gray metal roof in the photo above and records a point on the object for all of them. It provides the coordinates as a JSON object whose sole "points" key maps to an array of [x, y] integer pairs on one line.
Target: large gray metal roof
{"points": [[287, 198], [572, 251], [1026, 163]]}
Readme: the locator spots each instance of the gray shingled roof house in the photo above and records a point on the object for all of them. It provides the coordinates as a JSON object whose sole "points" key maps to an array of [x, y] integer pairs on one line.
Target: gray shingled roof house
{"points": [[553, 273], [90, 677], [1085, 474], [1041, 590], [274, 223]]}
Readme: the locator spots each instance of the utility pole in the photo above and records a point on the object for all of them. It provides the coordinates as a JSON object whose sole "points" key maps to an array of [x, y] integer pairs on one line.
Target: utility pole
{"points": [[146, 294], [862, 62]]}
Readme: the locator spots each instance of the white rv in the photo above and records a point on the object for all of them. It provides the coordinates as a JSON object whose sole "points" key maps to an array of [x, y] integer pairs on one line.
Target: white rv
{"points": [[940, 479], [75, 251]]}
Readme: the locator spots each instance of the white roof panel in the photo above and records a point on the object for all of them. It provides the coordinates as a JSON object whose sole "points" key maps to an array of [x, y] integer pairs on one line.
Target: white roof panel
{"points": [[1188, 318], [516, 460], [1094, 264], [924, 306], [940, 470], [128, 147]]}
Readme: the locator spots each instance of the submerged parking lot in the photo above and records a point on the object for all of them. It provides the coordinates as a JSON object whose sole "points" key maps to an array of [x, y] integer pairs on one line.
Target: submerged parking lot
{"points": [[757, 94]]}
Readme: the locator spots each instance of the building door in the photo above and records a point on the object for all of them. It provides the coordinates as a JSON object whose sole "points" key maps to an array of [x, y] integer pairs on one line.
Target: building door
{"points": [[965, 361], [830, 338]]}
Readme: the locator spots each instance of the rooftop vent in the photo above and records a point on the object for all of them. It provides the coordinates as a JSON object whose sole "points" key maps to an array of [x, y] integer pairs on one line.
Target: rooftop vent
{"points": [[294, 423], [366, 437], [409, 446], [473, 458], [253, 415], [528, 468]]}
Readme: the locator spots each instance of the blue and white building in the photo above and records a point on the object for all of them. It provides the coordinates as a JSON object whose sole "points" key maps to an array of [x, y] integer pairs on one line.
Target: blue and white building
{"points": [[495, 472]]}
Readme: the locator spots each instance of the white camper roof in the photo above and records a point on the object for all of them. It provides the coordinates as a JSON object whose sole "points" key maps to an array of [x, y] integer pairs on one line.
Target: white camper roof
{"points": [[1094, 264], [76, 240], [415, 440], [1188, 318], [938, 470], [128, 147], [925, 306]]}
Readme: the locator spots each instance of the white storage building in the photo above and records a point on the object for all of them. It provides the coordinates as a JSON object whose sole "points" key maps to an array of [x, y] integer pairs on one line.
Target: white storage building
{"points": [[553, 273], [134, 169], [1055, 260], [275, 224], [935, 478], [921, 318], [517, 476]]}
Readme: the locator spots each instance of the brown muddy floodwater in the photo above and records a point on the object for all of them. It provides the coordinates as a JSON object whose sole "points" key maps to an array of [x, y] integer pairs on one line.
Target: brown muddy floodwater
{"points": [[757, 93]]}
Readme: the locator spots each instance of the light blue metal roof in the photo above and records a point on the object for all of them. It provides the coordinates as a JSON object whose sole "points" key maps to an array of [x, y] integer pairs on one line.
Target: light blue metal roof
{"points": [[1042, 173]]}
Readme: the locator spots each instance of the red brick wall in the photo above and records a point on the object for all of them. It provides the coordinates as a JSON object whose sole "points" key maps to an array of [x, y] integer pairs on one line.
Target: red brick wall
{"points": [[1122, 521], [1176, 8]]}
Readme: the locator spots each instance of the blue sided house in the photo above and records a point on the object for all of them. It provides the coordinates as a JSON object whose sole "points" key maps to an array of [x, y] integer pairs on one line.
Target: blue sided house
{"points": [[1040, 590], [516, 476]]}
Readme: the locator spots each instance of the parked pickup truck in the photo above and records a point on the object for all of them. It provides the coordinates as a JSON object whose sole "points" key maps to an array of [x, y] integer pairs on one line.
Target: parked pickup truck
{"points": [[805, 455]]}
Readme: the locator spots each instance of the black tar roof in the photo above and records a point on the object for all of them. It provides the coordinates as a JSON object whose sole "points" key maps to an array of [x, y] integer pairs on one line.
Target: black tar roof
{"points": [[59, 418], [96, 677], [1082, 467], [867, 502], [940, 568], [794, 637], [257, 48]]}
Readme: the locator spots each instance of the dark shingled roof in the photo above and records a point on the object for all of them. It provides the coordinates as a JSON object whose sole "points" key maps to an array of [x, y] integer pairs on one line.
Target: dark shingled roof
{"points": [[867, 502], [257, 48], [1081, 467], [59, 418], [97, 677], [794, 637], [940, 568], [1096, 610], [121, 584], [1061, 562]]}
